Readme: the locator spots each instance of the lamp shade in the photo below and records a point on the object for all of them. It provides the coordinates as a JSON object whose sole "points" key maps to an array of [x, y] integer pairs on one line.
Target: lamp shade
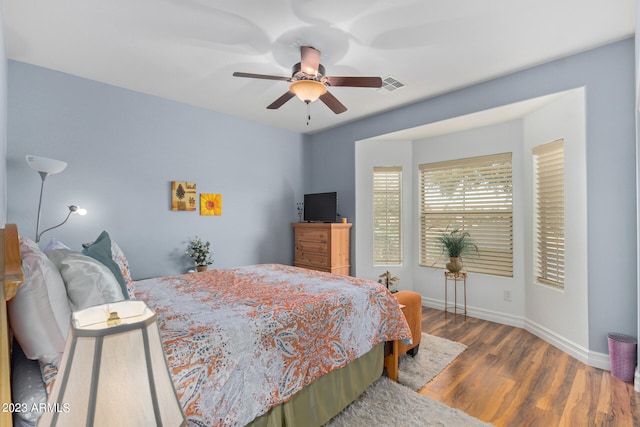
{"points": [[114, 372], [46, 165], [308, 90]]}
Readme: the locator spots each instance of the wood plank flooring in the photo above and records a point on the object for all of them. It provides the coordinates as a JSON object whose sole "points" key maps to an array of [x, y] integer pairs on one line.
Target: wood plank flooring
{"points": [[509, 377]]}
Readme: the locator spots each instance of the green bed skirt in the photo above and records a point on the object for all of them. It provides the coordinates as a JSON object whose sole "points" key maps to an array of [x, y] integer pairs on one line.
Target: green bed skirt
{"points": [[323, 399]]}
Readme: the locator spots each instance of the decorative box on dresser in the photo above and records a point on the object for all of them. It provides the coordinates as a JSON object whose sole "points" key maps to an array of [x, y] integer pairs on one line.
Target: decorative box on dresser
{"points": [[322, 246]]}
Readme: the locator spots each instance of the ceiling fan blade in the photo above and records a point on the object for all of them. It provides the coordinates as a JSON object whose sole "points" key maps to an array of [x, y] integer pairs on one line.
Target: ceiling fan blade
{"points": [[354, 81], [261, 76], [280, 101], [333, 103], [310, 60]]}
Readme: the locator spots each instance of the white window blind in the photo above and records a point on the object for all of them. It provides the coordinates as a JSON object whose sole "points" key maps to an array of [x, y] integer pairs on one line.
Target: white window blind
{"points": [[549, 162], [387, 202], [473, 195]]}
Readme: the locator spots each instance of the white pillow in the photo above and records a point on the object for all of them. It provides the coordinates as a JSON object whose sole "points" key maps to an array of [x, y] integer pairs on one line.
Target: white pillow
{"points": [[54, 244], [88, 281], [39, 313]]}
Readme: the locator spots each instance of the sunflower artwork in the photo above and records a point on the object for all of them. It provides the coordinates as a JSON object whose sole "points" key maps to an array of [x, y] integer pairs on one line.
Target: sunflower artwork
{"points": [[210, 204]]}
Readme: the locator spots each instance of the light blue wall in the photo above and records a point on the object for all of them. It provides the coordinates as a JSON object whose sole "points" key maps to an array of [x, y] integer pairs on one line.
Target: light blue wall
{"points": [[123, 149], [3, 125], [607, 73]]}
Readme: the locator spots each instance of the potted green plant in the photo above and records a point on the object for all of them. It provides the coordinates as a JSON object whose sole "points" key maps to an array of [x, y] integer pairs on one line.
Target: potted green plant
{"points": [[389, 281], [200, 252], [456, 243]]}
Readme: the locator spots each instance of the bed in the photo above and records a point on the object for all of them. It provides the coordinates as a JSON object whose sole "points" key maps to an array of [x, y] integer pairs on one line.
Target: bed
{"points": [[286, 361]]}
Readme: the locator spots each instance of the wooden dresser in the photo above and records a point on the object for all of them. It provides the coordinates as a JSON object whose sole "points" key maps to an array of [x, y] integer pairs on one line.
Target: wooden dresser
{"points": [[324, 247]]}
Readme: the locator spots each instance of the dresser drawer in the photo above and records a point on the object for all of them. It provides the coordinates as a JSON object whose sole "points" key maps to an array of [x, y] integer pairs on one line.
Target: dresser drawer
{"points": [[312, 260], [311, 246], [312, 234], [320, 246]]}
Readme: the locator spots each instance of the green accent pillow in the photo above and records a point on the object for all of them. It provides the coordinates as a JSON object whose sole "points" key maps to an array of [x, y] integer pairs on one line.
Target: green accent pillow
{"points": [[100, 250]]}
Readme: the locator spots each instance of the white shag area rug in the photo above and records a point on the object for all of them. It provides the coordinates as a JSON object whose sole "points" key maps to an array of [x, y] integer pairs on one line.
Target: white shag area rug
{"points": [[434, 355], [387, 403]]}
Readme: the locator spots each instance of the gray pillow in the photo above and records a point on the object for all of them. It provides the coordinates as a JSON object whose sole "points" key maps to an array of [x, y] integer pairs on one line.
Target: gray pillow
{"points": [[88, 281], [100, 250], [27, 387]]}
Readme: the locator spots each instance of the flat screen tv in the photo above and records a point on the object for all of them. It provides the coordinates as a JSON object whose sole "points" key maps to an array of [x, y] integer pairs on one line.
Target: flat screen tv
{"points": [[321, 207]]}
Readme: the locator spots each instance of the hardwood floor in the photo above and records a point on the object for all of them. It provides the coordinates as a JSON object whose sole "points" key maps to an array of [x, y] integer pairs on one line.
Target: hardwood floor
{"points": [[509, 377]]}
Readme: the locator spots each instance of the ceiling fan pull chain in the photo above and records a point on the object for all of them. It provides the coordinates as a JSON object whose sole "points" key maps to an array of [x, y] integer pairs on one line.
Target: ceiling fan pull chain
{"points": [[308, 112]]}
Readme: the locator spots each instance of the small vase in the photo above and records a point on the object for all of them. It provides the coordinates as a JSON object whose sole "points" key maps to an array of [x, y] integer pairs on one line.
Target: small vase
{"points": [[454, 265], [201, 268]]}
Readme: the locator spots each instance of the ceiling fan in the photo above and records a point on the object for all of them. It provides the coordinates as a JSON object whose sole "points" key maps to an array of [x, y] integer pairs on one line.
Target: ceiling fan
{"points": [[309, 82]]}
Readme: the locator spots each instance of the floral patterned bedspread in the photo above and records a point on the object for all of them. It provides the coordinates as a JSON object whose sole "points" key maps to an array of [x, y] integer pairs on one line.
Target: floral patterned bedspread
{"points": [[239, 341]]}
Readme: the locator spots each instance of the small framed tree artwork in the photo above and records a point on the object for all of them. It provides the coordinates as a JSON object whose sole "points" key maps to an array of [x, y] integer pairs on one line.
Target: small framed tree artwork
{"points": [[183, 196]]}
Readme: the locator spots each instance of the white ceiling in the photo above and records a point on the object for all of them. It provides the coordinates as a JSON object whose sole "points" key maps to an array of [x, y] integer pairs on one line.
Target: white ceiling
{"points": [[187, 50]]}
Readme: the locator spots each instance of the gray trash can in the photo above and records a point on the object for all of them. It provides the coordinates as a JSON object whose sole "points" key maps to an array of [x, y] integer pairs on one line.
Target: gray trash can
{"points": [[622, 356]]}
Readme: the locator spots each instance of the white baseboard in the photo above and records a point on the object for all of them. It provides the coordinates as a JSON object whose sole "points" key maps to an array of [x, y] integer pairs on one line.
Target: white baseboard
{"points": [[591, 358], [586, 356]]}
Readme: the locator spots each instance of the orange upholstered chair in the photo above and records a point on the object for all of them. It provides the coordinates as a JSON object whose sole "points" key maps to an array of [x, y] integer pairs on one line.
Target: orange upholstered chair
{"points": [[413, 314]]}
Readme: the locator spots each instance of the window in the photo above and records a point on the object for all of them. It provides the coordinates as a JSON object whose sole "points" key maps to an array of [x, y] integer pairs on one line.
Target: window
{"points": [[474, 195], [387, 227], [549, 182]]}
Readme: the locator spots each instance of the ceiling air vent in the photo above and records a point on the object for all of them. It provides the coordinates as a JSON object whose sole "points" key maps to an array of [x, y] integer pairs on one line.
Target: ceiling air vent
{"points": [[390, 83]]}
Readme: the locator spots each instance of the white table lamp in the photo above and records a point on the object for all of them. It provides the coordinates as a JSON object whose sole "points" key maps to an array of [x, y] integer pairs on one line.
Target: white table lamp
{"points": [[114, 372]]}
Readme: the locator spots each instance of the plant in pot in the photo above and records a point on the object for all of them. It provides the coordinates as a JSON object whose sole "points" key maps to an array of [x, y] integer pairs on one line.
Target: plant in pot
{"points": [[389, 280], [200, 252], [455, 244]]}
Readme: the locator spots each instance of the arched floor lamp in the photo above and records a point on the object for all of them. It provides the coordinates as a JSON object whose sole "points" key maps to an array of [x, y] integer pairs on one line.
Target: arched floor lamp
{"points": [[45, 167]]}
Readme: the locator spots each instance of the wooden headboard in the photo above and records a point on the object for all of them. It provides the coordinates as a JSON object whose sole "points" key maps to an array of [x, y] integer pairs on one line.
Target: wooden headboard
{"points": [[12, 277]]}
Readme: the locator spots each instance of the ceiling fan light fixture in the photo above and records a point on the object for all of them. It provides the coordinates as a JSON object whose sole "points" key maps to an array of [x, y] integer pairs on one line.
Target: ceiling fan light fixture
{"points": [[308, 90], [309, 82]]}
